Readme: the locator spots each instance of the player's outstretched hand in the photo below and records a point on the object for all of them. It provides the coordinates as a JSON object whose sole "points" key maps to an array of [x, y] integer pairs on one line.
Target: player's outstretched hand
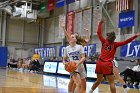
{"points": [[62, 24], [138, 34], [85, 29]]}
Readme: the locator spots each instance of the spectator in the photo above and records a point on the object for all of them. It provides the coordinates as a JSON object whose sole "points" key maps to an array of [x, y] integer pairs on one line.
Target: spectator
{"points": [[35, 65], [19, 64], [12, 63], [26, 63], [133, 74], [137, 67]]}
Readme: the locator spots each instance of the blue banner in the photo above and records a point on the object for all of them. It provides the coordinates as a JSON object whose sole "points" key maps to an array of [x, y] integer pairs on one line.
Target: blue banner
{"points": [[61, 51], [46, 52], [89, 50], [131, 49], [3, 56], [126, 19], [59, 3], [69, 1]]}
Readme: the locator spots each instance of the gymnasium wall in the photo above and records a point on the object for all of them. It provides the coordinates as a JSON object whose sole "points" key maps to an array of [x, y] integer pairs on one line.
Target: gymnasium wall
{"points": [[22, 37]]}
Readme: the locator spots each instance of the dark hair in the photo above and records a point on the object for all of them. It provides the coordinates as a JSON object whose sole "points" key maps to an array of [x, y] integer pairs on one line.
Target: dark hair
{"points": [[111, 36]]}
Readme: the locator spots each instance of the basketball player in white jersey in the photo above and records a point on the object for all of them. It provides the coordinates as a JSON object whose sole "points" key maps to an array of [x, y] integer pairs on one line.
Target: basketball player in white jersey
{"points": [[81, 41], [75, 52]]}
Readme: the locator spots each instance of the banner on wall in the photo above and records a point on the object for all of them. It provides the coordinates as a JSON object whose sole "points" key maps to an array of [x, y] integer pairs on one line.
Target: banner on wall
{"points": [[131, 49], [42, 7], [51, 5], [126, 19], [46, 52], [61, 51], [59, 3], [69, 1], [70, 22], [89, 50]]}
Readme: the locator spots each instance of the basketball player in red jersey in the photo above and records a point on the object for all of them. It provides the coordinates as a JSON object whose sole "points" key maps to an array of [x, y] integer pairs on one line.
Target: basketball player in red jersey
{"points": [[104, 64]]}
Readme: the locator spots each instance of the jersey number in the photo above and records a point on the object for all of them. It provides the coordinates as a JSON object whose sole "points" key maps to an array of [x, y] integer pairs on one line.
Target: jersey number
{"points": [[108, 47], [75, 57]]}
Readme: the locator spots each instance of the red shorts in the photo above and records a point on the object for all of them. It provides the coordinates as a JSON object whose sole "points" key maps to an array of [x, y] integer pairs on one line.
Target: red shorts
{"points": [[105, 68]]}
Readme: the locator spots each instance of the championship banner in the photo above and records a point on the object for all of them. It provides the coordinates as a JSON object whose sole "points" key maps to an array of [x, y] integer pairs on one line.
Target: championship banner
{"points": [[46, 52], [131, 49], [70, 22], [126, 19], [51, 5], [89, 50], [62, 18], [78, 22], [86, 21], [69, 1], [42, 7], [59, 3]]}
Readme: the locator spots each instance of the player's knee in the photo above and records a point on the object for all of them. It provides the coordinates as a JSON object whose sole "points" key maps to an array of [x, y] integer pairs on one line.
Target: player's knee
{"points": [[78, 84]]}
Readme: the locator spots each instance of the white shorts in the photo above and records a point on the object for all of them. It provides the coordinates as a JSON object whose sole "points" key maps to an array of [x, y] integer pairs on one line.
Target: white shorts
{"points": [[81, 70]]}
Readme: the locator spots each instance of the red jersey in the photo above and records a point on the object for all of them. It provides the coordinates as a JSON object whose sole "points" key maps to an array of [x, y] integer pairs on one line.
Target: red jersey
{"points": [[108, 49]]}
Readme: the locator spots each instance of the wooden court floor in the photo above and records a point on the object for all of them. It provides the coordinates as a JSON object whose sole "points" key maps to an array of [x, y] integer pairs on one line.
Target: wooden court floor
{"points": [[12, 81]]}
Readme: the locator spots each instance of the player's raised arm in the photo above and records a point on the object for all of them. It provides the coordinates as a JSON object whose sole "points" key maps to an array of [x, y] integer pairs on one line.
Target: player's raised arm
{"points": [[99, 30], [128, 40], [65, 31], [87, 39]]}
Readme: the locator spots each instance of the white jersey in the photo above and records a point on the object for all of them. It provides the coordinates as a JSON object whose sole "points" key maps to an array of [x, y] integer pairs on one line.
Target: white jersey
{"points": [[74, 54]]}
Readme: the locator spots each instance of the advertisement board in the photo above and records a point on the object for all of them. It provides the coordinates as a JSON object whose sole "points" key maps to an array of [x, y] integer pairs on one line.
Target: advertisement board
{"points": [[50, 67], [91, 70], [61, 69]]}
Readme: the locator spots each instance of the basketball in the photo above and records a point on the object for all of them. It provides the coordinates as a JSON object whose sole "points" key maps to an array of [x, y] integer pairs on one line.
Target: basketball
{"points": [[70, 67]]}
